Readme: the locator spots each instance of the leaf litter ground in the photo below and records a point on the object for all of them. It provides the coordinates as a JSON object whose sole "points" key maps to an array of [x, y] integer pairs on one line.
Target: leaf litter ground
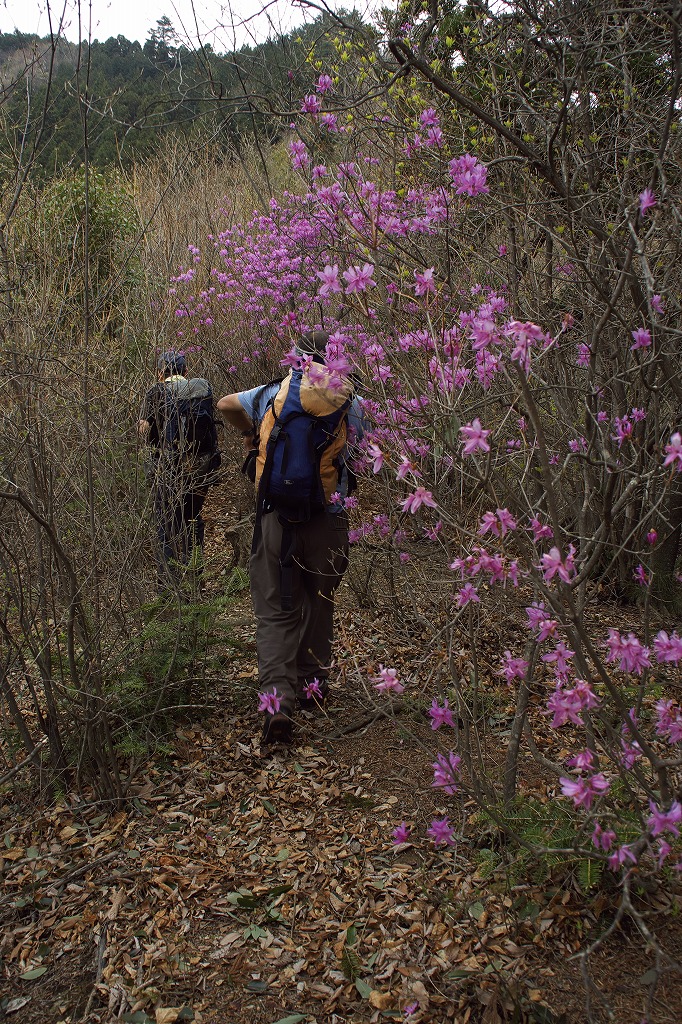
{"points": [[242, 888]]}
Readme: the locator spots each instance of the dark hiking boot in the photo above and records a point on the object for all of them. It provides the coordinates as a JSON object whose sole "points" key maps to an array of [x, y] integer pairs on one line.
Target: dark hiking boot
{"points": [[276, 729]]}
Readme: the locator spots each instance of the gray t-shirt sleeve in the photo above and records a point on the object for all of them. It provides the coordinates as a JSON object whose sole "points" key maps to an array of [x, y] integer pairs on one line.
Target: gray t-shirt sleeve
{"points": [[255, 401]]}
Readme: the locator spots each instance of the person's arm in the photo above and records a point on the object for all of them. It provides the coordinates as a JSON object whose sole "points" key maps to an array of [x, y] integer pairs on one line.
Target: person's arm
{"points": [[234, 414]]}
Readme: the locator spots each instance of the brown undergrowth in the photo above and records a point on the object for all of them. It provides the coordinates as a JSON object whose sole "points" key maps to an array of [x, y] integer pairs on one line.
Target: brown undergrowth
{"points": [[240, 888]]}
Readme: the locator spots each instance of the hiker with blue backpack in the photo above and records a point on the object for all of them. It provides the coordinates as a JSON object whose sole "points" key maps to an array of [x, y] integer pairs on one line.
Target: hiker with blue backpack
{"points": [[177, 422], [295, 433]]}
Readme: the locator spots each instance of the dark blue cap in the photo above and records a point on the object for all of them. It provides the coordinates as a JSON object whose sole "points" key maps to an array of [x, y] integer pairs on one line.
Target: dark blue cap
{"points": [[172, 362]]}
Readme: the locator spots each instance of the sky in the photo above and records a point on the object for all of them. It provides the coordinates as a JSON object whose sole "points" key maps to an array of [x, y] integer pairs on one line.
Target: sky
{"points": [[222, 24]]}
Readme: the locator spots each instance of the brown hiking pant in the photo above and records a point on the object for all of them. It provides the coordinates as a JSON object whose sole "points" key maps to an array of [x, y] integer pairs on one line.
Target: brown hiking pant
{"points": [[294, 646]]}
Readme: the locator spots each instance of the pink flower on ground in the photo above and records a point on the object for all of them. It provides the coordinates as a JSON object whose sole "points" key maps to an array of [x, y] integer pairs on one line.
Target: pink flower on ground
{"points": [[420, 497], [401, 834], [441, 715], [411, 1009], [642, 339], [270, 702], [474, 437], [387, 680], [647, 201], [674, 451], [441, 832]]}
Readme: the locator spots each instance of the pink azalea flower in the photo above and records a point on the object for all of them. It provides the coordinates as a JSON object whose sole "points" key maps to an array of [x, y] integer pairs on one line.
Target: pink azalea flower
{"points": [[441, 832], [401, 834], [584, 354], [475, 438], [330, 122], [467, 595], [269, 702], [668, 648], [429, 117], [541, 531], [377, 457], [424, 282], [311, 104], [324, 84], [603, 839], [512, 668], [552, 565], [623, 429], [312, 690], [330, 279], [420, 497], [640, 575], [445, 768], [560, 657], [658, 304], [621, 855], [387, 680], [583, 790], [647, 200], [674, 452], [506, 520], [441, 715], [299, 154], [583, 760], [628, 652], [642, 339], [359, 279], [488, 524], [651, 537], [468, 176]]}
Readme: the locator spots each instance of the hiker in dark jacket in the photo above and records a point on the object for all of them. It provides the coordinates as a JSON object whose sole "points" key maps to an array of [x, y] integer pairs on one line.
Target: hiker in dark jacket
{"points": [[296, 565], [177, 422]]}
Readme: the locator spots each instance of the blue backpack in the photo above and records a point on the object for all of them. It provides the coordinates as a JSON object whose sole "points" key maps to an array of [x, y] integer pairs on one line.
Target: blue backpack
{"points": [[302, 437]]}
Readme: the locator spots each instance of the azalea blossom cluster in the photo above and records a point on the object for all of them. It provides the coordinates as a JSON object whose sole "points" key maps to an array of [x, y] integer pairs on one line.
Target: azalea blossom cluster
{"points": [[447, 380]]}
